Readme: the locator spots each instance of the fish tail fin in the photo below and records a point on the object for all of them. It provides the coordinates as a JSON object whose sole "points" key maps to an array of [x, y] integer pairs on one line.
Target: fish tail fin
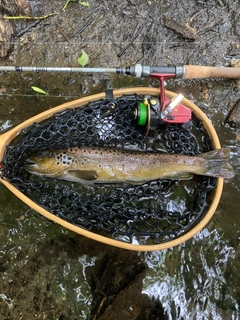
{"points": [[218, 163]]}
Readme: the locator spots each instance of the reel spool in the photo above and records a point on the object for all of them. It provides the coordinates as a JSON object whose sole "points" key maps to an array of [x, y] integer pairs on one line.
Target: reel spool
{"points": [[147, 113], [150, 114]]}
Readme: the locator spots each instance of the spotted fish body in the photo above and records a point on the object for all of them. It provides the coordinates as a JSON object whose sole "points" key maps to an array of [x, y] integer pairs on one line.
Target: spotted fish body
{"points": [[109, 165]]}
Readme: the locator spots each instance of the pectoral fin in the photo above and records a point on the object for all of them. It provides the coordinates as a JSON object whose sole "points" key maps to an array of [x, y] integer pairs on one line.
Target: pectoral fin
{"points": [[88, 175]]}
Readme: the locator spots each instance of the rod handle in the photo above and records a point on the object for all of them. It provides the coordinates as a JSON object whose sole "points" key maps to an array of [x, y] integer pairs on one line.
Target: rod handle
{"points": [[197, 72]]}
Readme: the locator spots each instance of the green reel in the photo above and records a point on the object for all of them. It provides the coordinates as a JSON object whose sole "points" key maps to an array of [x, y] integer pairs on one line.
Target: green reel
{"points": [[147, 113]]}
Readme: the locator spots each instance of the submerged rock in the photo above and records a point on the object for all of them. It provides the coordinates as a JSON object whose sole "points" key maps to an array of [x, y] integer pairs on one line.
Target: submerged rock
{"points": [[233, 118]]}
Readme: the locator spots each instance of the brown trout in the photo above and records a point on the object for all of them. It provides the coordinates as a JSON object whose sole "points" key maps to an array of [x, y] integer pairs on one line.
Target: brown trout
{"points": [[108, 165]]}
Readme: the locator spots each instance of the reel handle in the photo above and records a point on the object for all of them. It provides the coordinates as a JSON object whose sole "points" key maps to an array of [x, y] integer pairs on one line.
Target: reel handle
{"points": [[197, 72]]}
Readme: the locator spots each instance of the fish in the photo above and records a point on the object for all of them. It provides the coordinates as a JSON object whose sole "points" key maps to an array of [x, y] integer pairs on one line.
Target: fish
{"points": [[113, 165]]}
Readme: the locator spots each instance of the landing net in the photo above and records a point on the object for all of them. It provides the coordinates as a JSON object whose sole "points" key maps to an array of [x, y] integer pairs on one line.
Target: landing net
{"points": [[152, 213]]}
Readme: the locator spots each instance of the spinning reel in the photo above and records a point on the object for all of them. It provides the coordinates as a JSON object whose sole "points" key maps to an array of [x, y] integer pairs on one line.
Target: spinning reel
{"points": [[150, 113]]}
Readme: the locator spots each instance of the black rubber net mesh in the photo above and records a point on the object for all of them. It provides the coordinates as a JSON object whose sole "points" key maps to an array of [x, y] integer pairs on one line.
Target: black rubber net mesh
{"points": [[149, 213]]}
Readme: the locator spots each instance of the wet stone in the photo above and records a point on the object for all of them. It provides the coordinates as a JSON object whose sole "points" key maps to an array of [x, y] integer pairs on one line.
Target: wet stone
{"points": [[233, 118]]}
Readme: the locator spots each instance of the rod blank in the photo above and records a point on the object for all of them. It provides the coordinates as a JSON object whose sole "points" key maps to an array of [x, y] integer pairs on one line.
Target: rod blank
{"points": [[57, 69]]}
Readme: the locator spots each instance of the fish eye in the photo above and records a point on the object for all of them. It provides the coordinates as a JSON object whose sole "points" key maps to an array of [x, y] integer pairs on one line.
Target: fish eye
{"points": [[40, 154]]}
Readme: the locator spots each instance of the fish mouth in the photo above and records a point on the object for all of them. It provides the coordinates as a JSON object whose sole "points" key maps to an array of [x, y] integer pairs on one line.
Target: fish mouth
{"points": [[29, 161], [30, 165]]}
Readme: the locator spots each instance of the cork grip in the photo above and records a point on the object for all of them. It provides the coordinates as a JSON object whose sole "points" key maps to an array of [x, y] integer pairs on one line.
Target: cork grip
{"points": [[194, 72]]}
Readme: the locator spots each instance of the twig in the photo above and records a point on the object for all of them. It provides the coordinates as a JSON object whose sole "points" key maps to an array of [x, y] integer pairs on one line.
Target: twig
{"points": [[139, 31], [30, 17], [20, 33], [62, 33], [184, 29], [85, 26], [80, 29], [66, 4]]}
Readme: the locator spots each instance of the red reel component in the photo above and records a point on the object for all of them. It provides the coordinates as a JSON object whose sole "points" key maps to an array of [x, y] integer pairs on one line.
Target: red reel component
{"points": [[179, 115]]}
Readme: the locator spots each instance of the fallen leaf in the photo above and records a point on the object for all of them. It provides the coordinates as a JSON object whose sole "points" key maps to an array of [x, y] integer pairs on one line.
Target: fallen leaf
{"points": [[39, 90], [83, 59]]}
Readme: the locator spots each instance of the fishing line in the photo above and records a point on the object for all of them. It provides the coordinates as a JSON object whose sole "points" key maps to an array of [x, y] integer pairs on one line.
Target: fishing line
{"points": [[41, 96]]}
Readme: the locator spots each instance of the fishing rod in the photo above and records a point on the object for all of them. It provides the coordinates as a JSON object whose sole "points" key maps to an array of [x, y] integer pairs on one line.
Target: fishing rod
{"points": [[139, 71], [151, 112]]}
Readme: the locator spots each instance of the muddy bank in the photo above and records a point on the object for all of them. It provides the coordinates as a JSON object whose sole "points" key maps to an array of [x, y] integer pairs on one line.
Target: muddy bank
{"points": [[102, 29]]}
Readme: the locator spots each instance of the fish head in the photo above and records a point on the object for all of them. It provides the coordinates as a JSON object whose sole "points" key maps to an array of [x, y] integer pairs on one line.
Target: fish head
{"points": [[48, 163]]}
